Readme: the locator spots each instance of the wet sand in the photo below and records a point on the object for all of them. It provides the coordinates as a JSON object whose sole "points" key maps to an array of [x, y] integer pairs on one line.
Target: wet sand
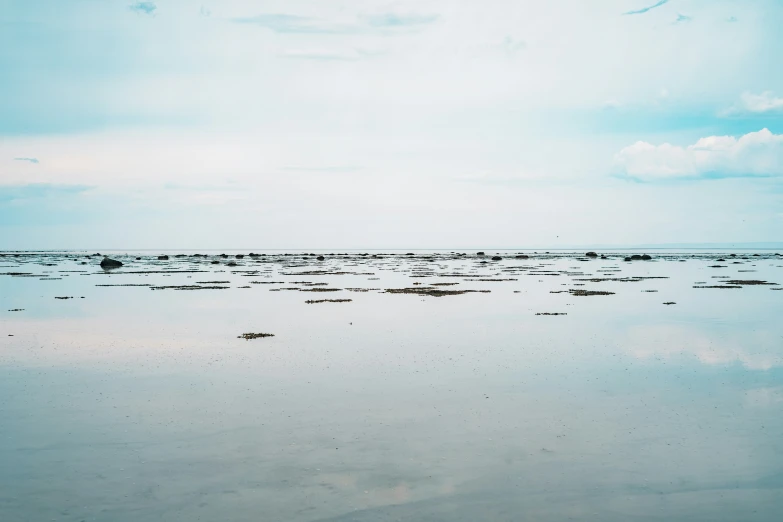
{"points": [[423, 386]]}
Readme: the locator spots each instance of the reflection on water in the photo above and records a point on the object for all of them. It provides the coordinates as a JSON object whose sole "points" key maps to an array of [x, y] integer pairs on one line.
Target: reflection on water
{"points": [[133, 404]]}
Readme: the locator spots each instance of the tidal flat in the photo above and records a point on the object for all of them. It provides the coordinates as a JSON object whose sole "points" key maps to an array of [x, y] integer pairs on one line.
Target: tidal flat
{"points": [[425, 386]]}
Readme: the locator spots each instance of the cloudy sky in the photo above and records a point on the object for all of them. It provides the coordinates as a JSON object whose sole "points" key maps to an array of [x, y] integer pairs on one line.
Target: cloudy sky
{"points": [[402, 124]]}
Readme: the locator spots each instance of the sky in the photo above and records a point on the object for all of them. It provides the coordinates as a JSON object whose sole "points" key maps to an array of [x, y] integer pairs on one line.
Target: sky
{"points": [[309, 124]]}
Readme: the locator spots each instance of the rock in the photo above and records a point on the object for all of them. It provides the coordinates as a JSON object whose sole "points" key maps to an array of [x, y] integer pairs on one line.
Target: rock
{"points": [[163, 258], [591, 254], [320, 258], [497, 258], [215, 262], [231, 263], [480, 253], [603, 257], [240, 256], [521, 256], [138, 259], [110, 263], [646, 257], [627, 259], [636, 257]]}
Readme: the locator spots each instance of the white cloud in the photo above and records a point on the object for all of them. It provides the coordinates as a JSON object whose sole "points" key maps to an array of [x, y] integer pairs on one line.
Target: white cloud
{"points": [[330, 54], [754, 154], [765, 103]]}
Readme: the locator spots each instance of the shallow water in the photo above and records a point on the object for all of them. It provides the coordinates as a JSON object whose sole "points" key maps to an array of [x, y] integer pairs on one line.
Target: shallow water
{"points": [[128, 403]]}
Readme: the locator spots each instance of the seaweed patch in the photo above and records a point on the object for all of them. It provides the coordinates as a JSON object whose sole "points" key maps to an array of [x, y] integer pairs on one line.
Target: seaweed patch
{"points": [[249, 336], [583, 293]]}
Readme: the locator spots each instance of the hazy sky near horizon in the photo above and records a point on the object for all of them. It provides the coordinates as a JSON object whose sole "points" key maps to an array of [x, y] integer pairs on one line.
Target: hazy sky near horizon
{"points": [[427, 123]]}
